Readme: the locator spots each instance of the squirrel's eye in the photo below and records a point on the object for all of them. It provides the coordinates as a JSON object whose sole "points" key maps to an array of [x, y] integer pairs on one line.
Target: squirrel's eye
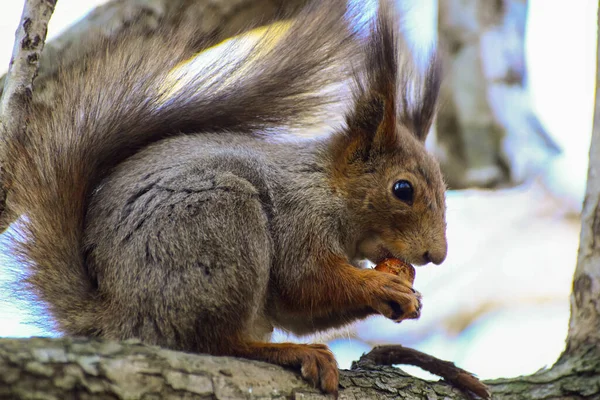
{"points": [[403, 190]]}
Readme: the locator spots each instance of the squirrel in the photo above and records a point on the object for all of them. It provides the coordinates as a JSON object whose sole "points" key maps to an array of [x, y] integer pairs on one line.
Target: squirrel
{"points": [[165, 206]]}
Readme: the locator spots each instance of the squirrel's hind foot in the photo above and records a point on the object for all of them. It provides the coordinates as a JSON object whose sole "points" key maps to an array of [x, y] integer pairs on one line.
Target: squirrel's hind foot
{"points": [[315, 361]]}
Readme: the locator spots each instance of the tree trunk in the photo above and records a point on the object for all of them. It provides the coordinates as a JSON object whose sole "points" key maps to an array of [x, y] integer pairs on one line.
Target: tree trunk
{"points": [[487, 133], [584, 327]]}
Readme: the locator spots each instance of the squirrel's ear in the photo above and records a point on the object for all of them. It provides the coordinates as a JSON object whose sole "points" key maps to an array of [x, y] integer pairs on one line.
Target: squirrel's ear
{"points": [[371, 127], [371, 119]]}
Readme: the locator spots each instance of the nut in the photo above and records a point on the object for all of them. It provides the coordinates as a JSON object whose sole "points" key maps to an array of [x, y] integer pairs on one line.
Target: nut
{"points": [[398, 268]]}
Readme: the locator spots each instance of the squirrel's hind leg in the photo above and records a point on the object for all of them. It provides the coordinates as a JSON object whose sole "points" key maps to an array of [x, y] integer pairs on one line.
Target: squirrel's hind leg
{"points": [[182, 262]]}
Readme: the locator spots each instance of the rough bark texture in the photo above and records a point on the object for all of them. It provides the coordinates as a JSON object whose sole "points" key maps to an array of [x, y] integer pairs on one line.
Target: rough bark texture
{"points": [[584, 327], [487, 131], [17, 90], [84, 369], [23, 68], [398, 354]]}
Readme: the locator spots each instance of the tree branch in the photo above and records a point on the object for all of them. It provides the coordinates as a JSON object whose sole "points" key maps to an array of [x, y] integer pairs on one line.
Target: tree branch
{"points": [[92, 369], [18, 85], [29, 42], [397, 354]]}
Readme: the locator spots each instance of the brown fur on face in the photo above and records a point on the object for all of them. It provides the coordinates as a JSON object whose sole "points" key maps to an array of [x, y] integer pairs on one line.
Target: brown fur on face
{"points": [[390, 227], [384, 143]]}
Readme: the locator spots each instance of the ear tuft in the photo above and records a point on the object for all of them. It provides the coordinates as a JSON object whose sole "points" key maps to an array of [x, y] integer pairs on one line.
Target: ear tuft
{"points": [[418, 111], [388, 90], [372, 117]]}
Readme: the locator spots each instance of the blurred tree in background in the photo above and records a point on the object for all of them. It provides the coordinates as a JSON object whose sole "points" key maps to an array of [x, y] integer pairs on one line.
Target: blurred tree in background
{"points": [[487, 131]]}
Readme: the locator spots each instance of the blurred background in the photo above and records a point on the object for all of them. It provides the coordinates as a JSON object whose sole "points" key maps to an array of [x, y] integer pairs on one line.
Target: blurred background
{"points": [[512, 137]]}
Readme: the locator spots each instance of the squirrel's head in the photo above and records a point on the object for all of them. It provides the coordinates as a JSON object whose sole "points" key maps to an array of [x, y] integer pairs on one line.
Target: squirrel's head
{"points": [[393, 188]]}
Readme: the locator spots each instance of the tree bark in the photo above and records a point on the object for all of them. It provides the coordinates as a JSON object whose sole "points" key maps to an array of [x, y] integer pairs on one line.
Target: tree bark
{"points": [[584, 327], [90, 369], [17, 90], [487, 132]]}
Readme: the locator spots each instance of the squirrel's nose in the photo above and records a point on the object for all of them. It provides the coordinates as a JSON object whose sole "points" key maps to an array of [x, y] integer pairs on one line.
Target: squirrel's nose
{"points": [[426, 258], [436, 256]]}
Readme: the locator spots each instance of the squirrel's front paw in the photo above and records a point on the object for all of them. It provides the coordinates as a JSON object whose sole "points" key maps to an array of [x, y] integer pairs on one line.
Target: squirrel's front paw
{"points": [[394, 298]]}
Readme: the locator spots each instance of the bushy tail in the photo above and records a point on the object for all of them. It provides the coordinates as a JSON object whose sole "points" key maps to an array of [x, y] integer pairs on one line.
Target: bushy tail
{"points": [[136, 91]]}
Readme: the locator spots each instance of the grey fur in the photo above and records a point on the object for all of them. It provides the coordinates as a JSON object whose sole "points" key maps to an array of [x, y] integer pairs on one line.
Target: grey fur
{"points": [[234, 213]]}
